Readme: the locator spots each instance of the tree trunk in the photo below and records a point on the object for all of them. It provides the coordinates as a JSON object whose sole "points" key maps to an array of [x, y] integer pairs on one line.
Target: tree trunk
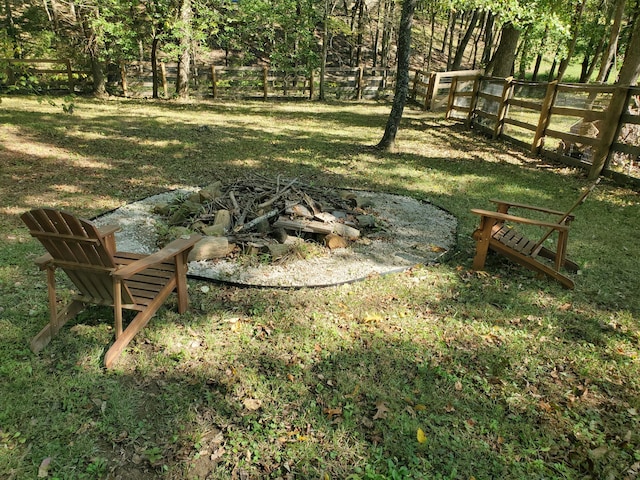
{"points": [[154, 65], [402, 78], [433, 27], [454, 17], [184, 62], [376, 39], [612, 46], [93, 44], [325, 49], [574, 38], [536, 68], [501, 64], [457, 60], [488, 39], [360, 35], [524, 50], [386, 33], [11, 30], [628, 77], [446, 31]]}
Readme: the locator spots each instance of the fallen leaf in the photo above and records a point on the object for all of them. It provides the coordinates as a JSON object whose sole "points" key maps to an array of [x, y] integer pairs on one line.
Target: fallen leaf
{"points": [[381, 411], [421, 437], [420, 408], [372, 318], [43, 469], [458, 385], [598, 453], [333, 412], [252, 403]]}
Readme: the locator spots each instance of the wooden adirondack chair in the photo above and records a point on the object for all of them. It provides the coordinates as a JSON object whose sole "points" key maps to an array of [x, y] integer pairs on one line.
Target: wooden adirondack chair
{"points": [[103, 276], [496, 232]]}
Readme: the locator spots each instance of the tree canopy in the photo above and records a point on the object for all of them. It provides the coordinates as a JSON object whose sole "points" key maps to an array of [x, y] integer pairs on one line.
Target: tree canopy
{"points": [[523, 38]]}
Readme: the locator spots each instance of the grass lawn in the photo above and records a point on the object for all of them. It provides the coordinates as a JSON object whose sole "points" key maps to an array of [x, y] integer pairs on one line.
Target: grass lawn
{"points": [[439, 372]]}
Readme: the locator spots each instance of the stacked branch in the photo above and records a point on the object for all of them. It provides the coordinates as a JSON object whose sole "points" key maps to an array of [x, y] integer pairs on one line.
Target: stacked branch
{"points": [[258, 214]]}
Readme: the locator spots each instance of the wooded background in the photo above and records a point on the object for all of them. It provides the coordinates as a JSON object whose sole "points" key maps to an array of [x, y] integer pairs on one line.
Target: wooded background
{"points": [[577, 40]]}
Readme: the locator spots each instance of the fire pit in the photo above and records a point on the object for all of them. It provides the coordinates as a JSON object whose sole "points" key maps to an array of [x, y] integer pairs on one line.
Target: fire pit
{"points": [[284, 233]]}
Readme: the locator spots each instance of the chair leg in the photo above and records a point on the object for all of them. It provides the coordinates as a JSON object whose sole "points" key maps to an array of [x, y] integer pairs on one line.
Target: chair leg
{"points": [[181, 282], [137, 324], [482, 249], [53, 327]]}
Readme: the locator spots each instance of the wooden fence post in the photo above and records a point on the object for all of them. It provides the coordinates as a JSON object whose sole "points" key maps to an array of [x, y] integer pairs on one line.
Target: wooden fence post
{"points": [[70, 75], [265, 78], [163, 77], [414, 90], [429, 95], [123, 78], [11, 79], [359, 83], [610, 127], [214, 82], [311, 92], [433, 90], [452, 97], [507, 90], [545, 117], [473, 100]]}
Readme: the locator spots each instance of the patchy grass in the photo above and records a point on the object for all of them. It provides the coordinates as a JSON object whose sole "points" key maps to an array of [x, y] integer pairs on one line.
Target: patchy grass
{"points": [[434, 373]]}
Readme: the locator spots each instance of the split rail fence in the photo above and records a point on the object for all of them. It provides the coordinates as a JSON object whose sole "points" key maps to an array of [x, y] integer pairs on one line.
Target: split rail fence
{"points": [[564, 122], [135, 79], [568, 123]]}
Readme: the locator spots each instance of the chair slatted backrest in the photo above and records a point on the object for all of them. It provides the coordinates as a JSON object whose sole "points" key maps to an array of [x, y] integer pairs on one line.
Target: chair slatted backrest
{"points": [[566, 215], [77, 247]]}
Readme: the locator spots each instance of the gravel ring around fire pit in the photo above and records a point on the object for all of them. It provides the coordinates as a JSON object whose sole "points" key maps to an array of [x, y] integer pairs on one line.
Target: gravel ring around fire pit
{"points": [[416, 232]]}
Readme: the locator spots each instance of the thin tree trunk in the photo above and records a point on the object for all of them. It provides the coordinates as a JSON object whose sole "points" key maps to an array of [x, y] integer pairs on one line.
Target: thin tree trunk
{"points": [[402, 80], [574, 38], [488, 39], [612, 47], [184, 62], [433, 27], [524, 49], [446, 32], [457, 61], [360, 35], [325, 49], [11, 30], [154, 65], [376, 38], [454, 17]]}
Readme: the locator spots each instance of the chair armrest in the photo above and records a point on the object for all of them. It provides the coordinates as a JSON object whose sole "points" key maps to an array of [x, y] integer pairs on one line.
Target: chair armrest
{"points": [[170, 251], [108, 229], [528, 207], [505, 217], [43, 261]]}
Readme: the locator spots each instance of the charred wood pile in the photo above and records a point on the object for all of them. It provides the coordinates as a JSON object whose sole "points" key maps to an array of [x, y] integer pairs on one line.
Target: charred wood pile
{"points": [[263, 216]]}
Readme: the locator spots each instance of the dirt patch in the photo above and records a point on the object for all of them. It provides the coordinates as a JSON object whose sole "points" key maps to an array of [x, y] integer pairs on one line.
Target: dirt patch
{"points": [[413, 232]]}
